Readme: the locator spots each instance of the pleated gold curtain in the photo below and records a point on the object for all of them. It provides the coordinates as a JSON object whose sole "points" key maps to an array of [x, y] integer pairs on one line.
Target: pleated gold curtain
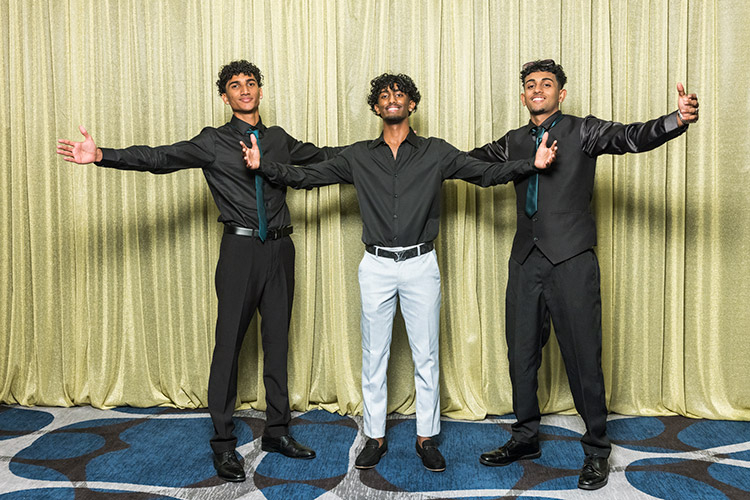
{"points": [[107, 296]]}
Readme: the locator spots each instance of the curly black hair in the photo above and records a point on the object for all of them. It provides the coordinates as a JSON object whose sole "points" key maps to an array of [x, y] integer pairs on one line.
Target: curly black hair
{"points": [[394, 82], [235, 68], [544, 65]]}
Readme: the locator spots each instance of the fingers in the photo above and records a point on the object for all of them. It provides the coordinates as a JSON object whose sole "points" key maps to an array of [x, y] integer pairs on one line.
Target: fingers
{"points": [[84, 132], [253, 140], [680, 89]]}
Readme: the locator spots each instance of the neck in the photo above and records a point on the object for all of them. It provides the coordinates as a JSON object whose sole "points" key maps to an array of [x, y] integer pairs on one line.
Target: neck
{"points": [[395, 133], [539, 119], [253, 117]]}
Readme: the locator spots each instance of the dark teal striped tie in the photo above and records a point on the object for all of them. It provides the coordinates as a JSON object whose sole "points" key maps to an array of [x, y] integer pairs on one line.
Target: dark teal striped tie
{"points": [[262, 220]]}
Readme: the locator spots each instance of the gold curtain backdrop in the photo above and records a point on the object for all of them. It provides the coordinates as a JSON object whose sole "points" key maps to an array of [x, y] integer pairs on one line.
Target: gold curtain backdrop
{"points": [[107, 296]]}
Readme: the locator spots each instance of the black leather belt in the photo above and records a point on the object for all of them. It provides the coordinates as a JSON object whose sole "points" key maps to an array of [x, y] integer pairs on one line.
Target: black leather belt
{"points": [[400, 255], [271, 234]]}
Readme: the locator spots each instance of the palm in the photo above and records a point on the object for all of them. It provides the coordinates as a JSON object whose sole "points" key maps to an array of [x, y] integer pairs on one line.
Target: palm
{"points": [[545, 155], [78, 152], [84, 151]]}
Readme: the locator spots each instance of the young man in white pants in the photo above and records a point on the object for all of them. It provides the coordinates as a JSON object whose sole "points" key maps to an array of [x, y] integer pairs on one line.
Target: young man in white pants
{"points": [[398, 178]]}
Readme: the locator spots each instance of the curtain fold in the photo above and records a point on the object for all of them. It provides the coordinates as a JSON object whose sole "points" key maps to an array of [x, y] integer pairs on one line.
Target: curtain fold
{"points": [[108, 297]]}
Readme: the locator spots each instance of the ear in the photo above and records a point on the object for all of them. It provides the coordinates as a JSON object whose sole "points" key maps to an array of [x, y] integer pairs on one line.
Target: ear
{"points": [[412, 105], [563, 93], [523, 99], [225, 98], [261, 92]]}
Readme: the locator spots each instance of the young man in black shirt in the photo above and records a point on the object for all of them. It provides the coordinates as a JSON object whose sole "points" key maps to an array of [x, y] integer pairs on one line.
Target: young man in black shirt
{"points": [[398, 179], [256, 260], [553, 271]]}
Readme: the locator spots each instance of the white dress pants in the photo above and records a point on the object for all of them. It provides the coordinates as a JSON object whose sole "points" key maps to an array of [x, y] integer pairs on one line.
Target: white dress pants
{"points": [[416, 283]]}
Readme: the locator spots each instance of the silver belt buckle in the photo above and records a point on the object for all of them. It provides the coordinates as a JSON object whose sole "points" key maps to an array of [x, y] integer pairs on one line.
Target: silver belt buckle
{"points": [[400, 255]]}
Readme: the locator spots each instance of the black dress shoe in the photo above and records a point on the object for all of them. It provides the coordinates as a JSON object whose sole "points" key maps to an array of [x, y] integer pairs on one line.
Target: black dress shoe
{"points": [[287, 446], [370, 454], [431, 457], [510, 452], [228, 467], [594, 473]]}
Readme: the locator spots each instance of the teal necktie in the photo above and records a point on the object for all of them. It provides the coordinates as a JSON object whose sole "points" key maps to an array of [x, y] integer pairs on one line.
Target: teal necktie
{"points": [[262, 220], [532, 191]]}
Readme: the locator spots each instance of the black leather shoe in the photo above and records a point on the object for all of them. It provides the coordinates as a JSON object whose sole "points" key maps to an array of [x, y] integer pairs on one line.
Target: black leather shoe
{"points": [[594, 473], [510, 452], [228, 467], [287, 446], [431, 457], [370, 454]]}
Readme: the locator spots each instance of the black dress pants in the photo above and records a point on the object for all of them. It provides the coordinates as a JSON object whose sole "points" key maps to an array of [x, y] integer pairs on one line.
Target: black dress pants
{"points": [[569, 293], [251, 275]]}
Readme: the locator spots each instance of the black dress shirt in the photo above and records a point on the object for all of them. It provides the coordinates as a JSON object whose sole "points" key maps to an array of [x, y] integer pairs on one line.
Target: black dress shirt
{"points": [[217, 151], [564, 225], [399, 198]]}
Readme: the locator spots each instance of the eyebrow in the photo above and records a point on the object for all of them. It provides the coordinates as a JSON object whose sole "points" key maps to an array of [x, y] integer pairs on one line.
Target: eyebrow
{"points": [[251, 78], [543, 79]]}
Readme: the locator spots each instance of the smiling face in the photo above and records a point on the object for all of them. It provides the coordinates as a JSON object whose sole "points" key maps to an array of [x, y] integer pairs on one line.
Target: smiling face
{"points": [[542, 94], [243, 95], [393, 105]]}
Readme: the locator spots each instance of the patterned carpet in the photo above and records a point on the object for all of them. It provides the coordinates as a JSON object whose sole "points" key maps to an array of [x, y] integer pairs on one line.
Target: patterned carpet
{"points": [[152, 453]]}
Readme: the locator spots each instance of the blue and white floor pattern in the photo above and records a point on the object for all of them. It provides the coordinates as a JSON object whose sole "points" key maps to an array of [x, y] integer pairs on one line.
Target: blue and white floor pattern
{"points": [[130, 453]]}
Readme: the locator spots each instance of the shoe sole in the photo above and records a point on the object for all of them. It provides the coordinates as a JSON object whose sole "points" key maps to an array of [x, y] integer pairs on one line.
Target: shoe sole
{"points": [[594, 486], [525, 457], [231, 480], [365, 467], [271, 450]]}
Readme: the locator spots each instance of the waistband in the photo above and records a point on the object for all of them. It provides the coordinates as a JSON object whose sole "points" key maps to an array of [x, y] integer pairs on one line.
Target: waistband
{"points": [[400, 255], [271, 234]]}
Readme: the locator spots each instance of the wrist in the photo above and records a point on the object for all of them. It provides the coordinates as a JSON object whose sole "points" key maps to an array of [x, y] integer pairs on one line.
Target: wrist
{"points": [[98, 155]]}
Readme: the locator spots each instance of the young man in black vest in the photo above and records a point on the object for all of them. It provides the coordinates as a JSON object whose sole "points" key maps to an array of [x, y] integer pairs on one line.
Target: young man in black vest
{"points": [[553, 272], [256, 260]]}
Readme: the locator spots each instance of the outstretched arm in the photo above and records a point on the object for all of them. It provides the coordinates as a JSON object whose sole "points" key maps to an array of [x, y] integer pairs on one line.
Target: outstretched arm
{"points": [[687, 106], [79, 152], [334, 171], [606, 137]]}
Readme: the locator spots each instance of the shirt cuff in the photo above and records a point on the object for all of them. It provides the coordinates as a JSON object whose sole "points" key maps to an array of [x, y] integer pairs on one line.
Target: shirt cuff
{"points": [[107, 157]]}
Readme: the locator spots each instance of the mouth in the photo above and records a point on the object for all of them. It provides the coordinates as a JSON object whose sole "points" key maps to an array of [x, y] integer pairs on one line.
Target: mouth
{"points": [[537, 99], [392, 108]]}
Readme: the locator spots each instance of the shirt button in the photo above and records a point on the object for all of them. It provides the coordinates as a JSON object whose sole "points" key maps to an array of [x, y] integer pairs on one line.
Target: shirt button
{"points": [[395, 216], [536, 239], [395, 196], [395, 238], [535, 219]]}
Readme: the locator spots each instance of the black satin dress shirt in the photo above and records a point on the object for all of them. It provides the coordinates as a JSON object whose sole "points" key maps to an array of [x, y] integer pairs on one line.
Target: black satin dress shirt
{"points": [[218, 153], [564, 225], [399, 198]]}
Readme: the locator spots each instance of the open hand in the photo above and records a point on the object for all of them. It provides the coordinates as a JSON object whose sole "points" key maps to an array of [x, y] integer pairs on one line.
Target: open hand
{"points": [[545, 155], [251, 154], [79, 152]]}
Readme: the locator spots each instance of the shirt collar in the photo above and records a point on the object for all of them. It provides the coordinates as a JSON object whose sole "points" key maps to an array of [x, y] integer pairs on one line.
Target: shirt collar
{"points": [[242, 126], [546, 123], [412, 138]]}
